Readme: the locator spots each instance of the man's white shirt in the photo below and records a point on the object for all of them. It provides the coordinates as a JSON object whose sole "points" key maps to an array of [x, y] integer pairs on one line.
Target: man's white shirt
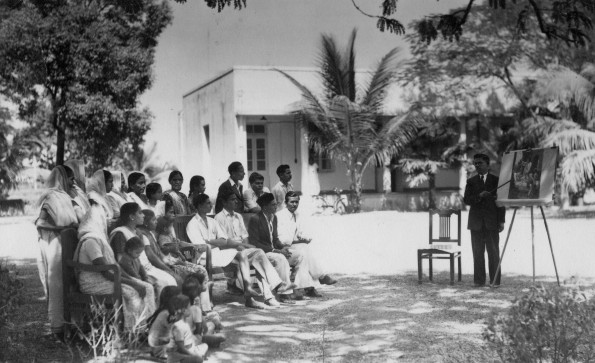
{"points": [[289, 227], [232, 224], [279, 191]]}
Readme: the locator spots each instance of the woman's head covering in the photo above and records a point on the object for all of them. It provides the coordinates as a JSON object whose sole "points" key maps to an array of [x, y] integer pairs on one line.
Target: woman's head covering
{"points": [[97, 192], [97, 183], [56, 200], [117, 175], [94, 224], [57, 181], [78, 167]]}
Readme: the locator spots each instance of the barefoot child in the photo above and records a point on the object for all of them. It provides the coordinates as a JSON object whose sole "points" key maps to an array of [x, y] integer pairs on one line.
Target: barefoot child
{"points": [[160, 331], [192, 287], [184, 346]]}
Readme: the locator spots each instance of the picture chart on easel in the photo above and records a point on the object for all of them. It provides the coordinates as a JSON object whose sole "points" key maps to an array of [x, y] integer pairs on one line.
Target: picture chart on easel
{"points": [[527, 179]]}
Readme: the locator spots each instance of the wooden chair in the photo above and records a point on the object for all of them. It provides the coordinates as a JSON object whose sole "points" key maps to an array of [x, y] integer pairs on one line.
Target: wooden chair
{"points": [[77, 305], [443, 246]]}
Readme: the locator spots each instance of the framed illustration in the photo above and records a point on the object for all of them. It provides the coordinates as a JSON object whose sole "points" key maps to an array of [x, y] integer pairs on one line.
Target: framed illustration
{"points": [[527, 177]]}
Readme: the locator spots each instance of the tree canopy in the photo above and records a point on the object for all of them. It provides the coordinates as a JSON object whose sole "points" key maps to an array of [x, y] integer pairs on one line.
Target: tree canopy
{"points": [[565, 20], [84, 65]]}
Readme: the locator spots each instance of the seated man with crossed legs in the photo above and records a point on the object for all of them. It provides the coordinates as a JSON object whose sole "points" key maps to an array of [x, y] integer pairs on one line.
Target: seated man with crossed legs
{"points": [[233, 224], [291, 234], [262, 230]]}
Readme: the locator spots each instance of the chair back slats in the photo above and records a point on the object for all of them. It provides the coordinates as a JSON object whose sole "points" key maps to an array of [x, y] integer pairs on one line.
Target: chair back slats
{"points": [[445, 225], [180, 226]]}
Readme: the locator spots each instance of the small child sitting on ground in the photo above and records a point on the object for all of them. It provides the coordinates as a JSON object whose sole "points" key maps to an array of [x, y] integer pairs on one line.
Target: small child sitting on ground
{"points": [[160, 327], [129, 260], [192, 287], [184, 346]]}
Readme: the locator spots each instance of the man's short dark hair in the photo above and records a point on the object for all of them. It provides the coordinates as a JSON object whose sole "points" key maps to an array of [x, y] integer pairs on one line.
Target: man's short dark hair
{"points": [[227, 196], [254, 177], [199, 199], [291, 194], [233, 167], [483, 157], [265, 199], [281, 169]]}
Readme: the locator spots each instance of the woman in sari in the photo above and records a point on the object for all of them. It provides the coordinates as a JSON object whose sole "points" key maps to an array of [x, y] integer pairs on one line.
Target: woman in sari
{"points": [[131, 216], [93, 249], [117, 196], [97, 188], [197, 187], [78, 190], [136, 189], [58, 211], [175, 196]]}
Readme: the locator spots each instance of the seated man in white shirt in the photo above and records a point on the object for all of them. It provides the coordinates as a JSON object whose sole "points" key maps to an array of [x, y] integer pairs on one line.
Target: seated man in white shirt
{"points": [[204, 230], [233, 225], [291, 234], [251, 194]]}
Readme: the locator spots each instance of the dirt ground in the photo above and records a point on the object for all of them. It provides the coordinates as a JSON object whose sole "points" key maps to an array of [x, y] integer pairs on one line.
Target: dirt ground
{"points": [[377, 312]]}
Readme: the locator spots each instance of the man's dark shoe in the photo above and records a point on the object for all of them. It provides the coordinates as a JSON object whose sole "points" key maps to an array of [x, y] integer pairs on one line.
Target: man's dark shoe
{"points": [[327, 280], [311, 292], [286, 299], [298, 294]]}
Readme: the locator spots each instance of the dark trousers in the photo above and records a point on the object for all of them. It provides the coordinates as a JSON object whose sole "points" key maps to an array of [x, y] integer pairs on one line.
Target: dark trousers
{"points": [[481, 241]]}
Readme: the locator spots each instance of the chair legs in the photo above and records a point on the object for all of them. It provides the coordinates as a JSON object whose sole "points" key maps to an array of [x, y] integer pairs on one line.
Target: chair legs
{"points": [[452, 269], [419, 267], [459, 268], [451, 258]]}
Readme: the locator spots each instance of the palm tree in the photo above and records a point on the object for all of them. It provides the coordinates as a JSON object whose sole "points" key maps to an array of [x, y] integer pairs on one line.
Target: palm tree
{"points": [[350, 126], [572, 96]]}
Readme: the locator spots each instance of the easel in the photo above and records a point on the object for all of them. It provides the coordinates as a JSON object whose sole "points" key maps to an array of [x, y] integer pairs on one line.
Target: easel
{"points": [[532, 243]]}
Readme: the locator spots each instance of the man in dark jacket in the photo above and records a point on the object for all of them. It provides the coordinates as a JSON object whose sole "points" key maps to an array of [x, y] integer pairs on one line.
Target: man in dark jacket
{"points": [[262, 232], [232, 185], [486, 220]]}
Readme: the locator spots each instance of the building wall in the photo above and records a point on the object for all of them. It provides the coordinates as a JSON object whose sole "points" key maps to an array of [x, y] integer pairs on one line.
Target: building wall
{"points": [[212, 105]]}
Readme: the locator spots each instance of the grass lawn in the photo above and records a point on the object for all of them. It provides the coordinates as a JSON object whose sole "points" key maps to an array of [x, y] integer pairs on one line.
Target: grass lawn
{"points": [[376, 313]]}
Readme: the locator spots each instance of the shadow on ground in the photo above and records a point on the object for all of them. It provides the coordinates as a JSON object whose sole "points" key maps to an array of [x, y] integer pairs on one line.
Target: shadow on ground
{"points": [[361, 318]]}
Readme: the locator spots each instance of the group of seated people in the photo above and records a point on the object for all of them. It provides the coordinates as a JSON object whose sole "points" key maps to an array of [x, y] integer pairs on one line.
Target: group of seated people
{"points": [[133, 226]]}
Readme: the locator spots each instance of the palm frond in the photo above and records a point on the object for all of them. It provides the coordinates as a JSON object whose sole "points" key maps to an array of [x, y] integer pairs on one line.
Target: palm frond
{"points": [[331, 68], [382, 77], [349, 66], [310, 101], [394, 136], [578, 170], [571, 140], [540, 127], [568, 87], [418, 171]]}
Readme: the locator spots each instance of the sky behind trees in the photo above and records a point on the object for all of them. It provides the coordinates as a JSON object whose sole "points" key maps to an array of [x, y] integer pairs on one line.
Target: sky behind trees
{"points": [[201, 43]]}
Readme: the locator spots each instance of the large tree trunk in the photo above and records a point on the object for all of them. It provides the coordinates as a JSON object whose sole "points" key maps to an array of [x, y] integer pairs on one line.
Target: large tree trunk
{"points": [[60, 146]]}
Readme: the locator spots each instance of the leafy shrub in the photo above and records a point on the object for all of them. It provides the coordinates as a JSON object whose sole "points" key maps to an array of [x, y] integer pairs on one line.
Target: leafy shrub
{"points": [[10, 297], [547, 324]]}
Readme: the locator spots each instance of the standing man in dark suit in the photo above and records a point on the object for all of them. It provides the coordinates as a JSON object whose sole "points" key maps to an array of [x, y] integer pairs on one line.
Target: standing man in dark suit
{"points": [[232, 185], [486, 220]]}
